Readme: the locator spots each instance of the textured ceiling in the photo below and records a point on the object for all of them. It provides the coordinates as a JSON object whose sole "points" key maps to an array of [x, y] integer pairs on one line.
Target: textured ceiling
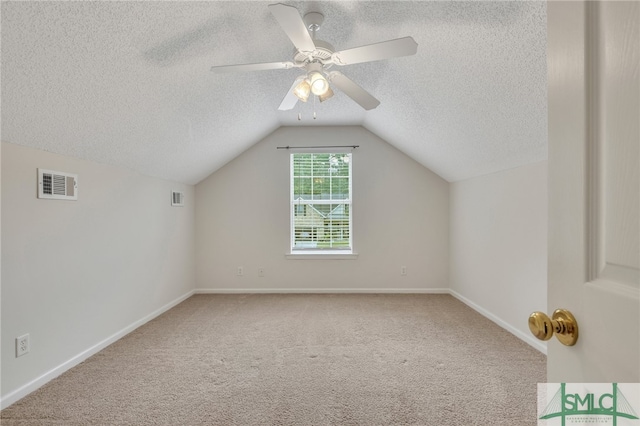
{"points": [[128, 83]]}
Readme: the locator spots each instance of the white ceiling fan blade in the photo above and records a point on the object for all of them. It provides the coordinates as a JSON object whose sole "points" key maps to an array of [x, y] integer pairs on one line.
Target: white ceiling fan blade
{"points": [[289, 19], [290, 100], [355, 92], [253, 67], [374, 52]]}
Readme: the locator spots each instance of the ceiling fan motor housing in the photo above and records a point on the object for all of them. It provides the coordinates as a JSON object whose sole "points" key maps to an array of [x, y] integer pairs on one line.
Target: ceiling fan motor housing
{"points": [[321, 54]]}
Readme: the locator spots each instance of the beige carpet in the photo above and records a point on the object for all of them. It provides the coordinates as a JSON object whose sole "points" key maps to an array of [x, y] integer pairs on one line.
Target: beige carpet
{"points": [[300, 360]]}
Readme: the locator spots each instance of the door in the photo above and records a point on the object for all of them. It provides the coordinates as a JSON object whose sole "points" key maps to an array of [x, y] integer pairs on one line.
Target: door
{"points": [[594, 188]]}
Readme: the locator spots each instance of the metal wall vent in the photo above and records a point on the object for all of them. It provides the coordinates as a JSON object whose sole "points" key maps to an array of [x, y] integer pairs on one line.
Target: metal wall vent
{"points": [[57, 185], [177, 199]]}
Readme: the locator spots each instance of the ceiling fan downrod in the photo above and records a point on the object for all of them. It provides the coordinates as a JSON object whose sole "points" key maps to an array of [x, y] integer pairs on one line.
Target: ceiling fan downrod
{"points": [[313, 21]]}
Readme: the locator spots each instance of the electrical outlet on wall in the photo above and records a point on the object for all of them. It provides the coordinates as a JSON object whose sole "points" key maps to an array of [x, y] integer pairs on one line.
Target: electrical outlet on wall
{"points": [[403, 270], [261, 272], [22, 345], [240, 271]]}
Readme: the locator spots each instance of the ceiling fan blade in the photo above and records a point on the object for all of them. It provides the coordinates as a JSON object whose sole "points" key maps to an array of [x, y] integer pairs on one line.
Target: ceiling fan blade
{"points": [[289, 19], [373, 52], [253, 67], [290, 100], [355, 92]]}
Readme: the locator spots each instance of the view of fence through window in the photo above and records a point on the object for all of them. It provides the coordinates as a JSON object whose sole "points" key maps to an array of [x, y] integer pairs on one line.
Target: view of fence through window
{"points": [[321, 201]]}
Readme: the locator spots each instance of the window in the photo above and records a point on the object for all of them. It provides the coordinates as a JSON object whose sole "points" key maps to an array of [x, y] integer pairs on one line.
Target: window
{"points": [[321, 202]]}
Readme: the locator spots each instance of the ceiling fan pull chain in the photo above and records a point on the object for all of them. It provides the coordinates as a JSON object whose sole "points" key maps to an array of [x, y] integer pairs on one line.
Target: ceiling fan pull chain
{"points": [[314, 107]]}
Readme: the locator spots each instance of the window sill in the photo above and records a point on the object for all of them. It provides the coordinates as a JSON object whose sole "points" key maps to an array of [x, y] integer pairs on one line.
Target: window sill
{"points": [[322, 255]]}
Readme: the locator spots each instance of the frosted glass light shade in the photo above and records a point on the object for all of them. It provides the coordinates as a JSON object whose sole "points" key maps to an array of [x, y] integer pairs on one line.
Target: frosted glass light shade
{"points": [[319, 84], [302, 90], [328, 94]]}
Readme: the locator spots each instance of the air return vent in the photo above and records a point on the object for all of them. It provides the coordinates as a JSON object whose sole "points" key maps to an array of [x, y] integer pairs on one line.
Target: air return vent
{"points": [[57, 185], [177, 199]]}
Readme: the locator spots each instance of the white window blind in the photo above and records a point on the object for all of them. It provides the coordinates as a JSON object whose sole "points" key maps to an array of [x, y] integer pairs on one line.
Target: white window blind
{"points": [[321, 202]]}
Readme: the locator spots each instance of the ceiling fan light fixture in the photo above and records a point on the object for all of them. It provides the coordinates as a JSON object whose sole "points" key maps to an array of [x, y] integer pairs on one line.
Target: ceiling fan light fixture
{"points": [[302, 90], [327, 95], [319, 84]]}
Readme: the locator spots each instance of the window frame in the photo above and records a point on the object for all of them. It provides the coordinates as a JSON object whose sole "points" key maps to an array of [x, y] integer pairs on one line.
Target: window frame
{"points": [[305, 253]]}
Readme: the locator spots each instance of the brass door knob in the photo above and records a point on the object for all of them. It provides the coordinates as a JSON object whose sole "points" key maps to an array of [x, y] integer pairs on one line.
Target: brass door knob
{"points": [[562, 323]]}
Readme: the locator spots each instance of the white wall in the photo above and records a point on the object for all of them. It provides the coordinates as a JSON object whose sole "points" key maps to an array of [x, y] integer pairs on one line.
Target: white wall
{"points": [[77, 273], [499, 245], [400, 216]]}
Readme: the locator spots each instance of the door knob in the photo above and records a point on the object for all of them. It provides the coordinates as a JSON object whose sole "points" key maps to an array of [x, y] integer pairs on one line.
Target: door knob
{"points": [[562, 323]]}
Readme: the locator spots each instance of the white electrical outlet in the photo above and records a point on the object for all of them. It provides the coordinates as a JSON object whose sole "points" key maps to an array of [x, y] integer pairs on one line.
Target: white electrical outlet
{"points": [[261, 272], [22, 345], [403, 270], [240, 271]]}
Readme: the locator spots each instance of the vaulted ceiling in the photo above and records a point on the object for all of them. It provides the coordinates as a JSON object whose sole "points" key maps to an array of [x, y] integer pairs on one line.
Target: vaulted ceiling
{"points": [[129, 83]]}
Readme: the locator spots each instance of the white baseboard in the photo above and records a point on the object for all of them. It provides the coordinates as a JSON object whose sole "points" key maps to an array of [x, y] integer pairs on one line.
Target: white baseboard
{"points": [[320, 290], [23, 391], [535, 343]]}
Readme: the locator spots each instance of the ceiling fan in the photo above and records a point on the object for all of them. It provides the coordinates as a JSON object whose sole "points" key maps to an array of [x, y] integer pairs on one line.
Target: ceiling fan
{"points": [[316, 57]]}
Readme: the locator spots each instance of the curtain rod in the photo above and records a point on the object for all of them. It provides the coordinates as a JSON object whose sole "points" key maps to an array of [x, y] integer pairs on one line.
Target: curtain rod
{"points": [[316, 147]]}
